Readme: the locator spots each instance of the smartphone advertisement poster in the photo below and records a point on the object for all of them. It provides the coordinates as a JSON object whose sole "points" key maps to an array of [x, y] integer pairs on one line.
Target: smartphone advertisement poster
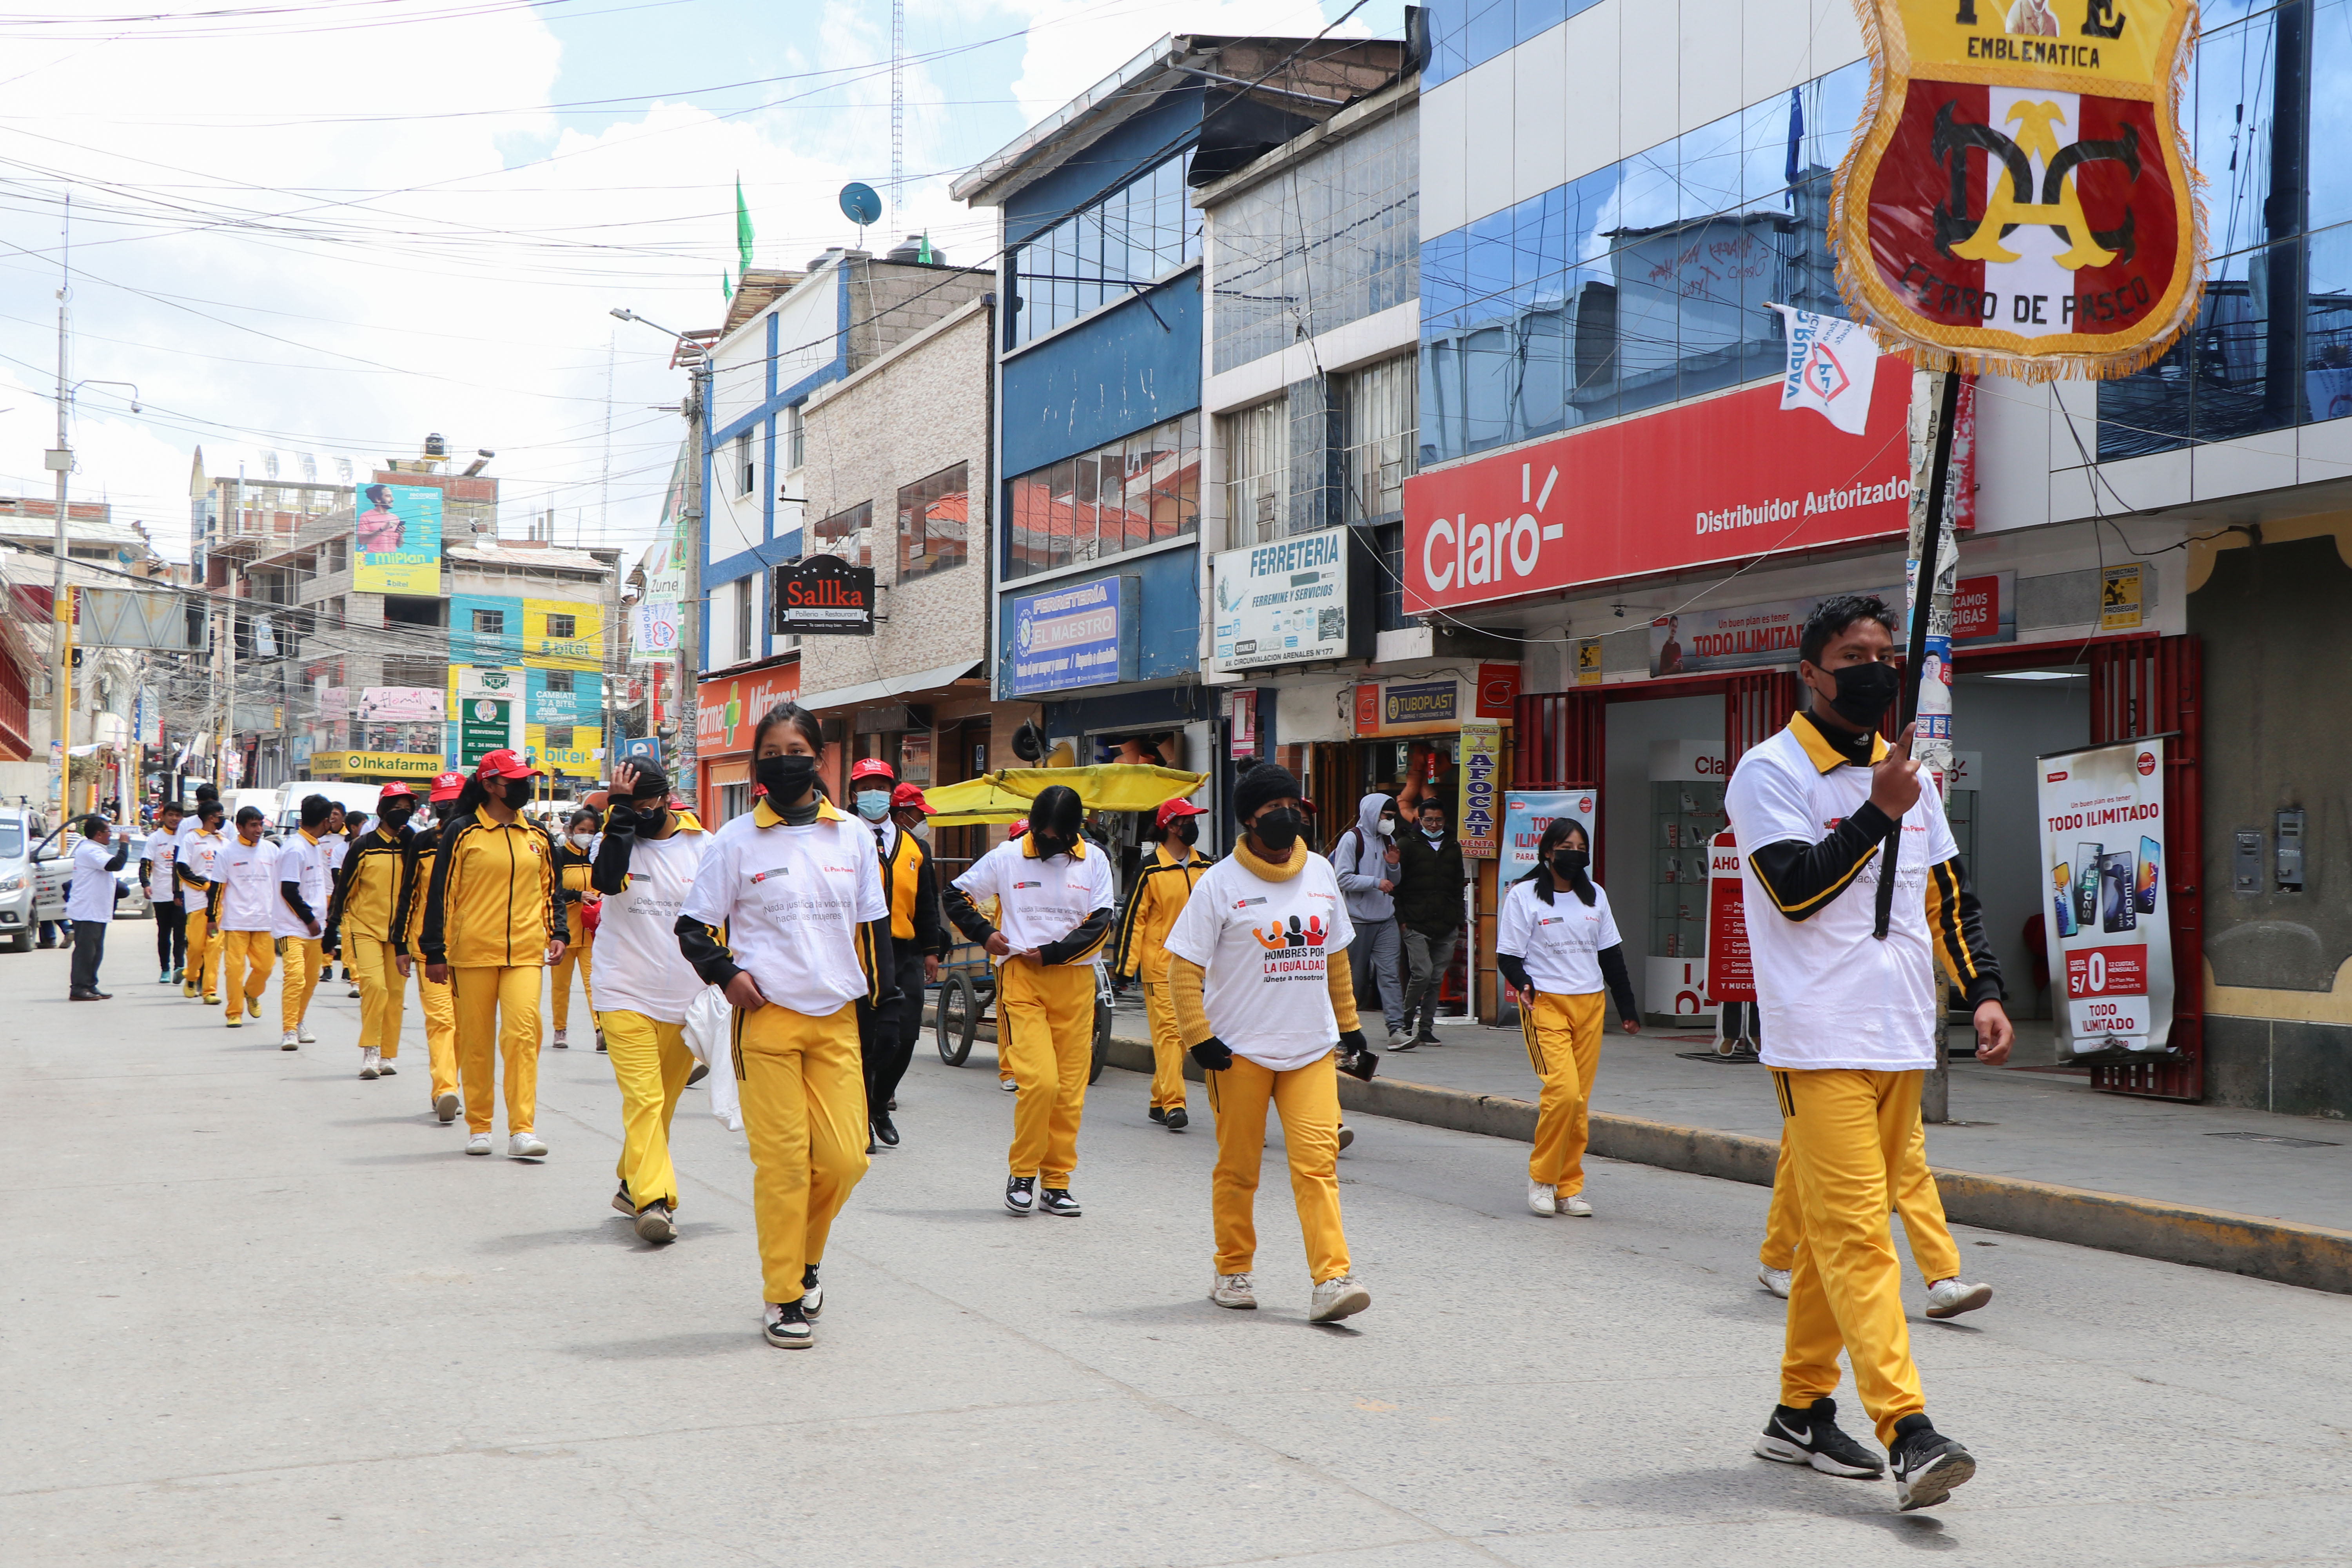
{"points": [[2105, 883]]}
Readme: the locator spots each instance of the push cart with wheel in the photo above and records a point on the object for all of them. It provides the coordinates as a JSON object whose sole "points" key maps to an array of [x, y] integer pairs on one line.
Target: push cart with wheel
{"points": [[968, 1003]]}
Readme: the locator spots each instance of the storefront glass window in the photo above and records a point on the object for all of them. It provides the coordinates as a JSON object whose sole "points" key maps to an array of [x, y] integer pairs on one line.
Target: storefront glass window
{"points": [[1257, 466], [1099, 256], [848, 534], [1132, 492]]}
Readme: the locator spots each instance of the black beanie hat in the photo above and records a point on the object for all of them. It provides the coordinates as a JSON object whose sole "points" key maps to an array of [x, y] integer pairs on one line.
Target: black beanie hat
{"points": [[1263, 782]]}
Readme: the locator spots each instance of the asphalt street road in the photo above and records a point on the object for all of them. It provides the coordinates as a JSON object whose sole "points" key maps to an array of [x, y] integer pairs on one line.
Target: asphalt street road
{"points": [[259, 1311]]}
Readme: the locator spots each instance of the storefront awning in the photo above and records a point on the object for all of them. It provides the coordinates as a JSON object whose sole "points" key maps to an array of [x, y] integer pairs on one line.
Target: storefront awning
{"points": [[895, 686], [1004, 796]]}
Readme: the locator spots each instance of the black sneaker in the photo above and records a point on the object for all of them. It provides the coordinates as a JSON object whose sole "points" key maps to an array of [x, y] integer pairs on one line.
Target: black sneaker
{"points": [[1058, 1200], [812, 1294], [788, 1326], [697, 1073], [654, 1223], [1021, 1193], [1158, 1114], [1177, 1119], [886, 1129], [1927, 1465], [1811, 1437], [622, 1202]]}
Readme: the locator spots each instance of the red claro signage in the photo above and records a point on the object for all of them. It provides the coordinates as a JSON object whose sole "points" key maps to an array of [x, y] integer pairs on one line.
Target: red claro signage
{"points": [[1724, 479]]}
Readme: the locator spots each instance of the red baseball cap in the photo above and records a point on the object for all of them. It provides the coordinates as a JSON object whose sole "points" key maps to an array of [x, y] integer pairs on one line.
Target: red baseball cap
{"points": [[504, 763], [871, 768], [1017, 829], [448, 786], [1174, 809], [395, 790], [906, 795]]}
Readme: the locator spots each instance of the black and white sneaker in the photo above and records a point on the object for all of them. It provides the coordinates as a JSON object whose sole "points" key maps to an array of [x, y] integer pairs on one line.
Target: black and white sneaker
{"points": [[788, 1326], [1020, 1194], [812, 1294], [1058, 1200], [1177, 1119], [1158, 1114], [1811, 1437], [1927, 1465]]}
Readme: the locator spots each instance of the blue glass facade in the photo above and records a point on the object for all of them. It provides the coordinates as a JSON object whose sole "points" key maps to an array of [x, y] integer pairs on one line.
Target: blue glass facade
{"points": [[1637, 284], [1467, 33]]}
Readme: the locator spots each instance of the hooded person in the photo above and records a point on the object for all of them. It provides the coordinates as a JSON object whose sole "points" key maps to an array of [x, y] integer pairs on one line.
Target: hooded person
{"points": [[1054, 911], [1367, 860]]}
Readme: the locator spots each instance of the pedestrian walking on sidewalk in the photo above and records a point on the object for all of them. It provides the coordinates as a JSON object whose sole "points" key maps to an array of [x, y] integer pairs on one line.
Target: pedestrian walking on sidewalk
{"points": [[493, 922], [432, 997], [306, 879], [249, 900], [887, 1034], [573, 853], [1161, 890], [1430, 880], [928, 924], [1556, 943], [1916, 1199], [1264, 1007], [156, 874], [89, 903], [196, 865], [364, 920], [786, 915], [1853, 888], [1056, 900], [1366, 858]]}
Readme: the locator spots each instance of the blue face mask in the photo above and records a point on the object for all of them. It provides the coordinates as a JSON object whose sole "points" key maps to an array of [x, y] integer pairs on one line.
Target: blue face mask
{"points": [[874, 805]]}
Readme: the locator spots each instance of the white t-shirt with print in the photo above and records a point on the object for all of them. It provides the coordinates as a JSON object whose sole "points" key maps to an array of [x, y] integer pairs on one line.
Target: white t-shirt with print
{"points": [[1039, 901], [639, 966], [1266, 948], [201, 853], [1559, 942], [310, 866], [251, 872], [1830, 994], [163, 850], [791, 900]]}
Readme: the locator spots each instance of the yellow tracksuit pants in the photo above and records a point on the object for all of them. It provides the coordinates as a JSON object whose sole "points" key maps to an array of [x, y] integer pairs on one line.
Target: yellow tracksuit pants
{"points": [[384, 992], [245, 959], [1167, 1048], [298, 979], [650, 1062], [497, 1013], [1564, 1037], [802, 1083], [578, 952], [202, 976], [440, 1009], [1045, 1027], [1847, 1132], [1307, 1100], [1916, 1199]]}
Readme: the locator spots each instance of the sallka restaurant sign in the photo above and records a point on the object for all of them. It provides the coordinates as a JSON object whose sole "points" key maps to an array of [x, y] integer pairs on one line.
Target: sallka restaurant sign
{"points": [[823, 595]]}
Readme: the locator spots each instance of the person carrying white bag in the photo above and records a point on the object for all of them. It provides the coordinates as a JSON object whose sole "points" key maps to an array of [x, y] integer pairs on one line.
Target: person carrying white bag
{"points": [[707, 1023]]}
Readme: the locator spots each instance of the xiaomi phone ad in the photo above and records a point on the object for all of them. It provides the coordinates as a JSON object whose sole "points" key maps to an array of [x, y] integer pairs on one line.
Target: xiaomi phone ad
{"points": [[2111, 944]]}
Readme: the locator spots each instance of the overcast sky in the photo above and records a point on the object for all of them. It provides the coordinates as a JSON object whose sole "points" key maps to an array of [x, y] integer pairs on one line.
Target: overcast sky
{"points": [[331, 227]]}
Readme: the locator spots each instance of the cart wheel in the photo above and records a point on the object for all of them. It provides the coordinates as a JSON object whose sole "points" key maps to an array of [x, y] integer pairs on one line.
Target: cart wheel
{"points": [[1102, 1040], [959, 1018]]}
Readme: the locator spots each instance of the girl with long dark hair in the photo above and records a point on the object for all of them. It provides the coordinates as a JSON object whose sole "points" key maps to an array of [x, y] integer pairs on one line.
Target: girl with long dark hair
{"points": [[572, 853]]}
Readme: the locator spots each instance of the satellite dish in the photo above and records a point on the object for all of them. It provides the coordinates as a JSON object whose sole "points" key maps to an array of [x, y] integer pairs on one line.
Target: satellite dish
{"points": [[859, 204]]}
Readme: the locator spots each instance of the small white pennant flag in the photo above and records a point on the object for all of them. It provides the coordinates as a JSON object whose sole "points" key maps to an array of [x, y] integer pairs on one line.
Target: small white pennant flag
{"points": [[1832, 364]]}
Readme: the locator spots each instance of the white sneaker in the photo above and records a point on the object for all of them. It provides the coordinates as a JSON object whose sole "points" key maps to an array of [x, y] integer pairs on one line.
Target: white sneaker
{"points": [[479, 1143], [526, 1146], [1541, 1198], [372, 1063], [445, 1106], [1949, 1297], [1775, 1280], [1008, 1085], [560, 1043], [1400, 1039], [287, 1041], [306, 1037], [1234, 1290], [355, 991], [1574, 1205], [1337, 1299]]}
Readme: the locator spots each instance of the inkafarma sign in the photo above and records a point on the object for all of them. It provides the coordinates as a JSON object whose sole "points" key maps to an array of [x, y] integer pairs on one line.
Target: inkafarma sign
{"points": [[825, 595], [2019, 198]]}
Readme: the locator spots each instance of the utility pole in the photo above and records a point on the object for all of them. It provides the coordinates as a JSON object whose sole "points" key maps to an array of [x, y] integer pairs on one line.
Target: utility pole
{"points": [[59, 460], [1934, 558], [897, 109], [690, 528]]}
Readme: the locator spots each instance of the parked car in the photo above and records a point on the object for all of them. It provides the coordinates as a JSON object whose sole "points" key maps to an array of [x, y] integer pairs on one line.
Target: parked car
{"points": [[349, 795], [25, 900], [53, 862]]}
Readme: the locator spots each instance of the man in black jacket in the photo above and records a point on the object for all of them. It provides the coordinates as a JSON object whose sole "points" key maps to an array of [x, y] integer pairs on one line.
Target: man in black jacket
{"points": [[1429, 915]]}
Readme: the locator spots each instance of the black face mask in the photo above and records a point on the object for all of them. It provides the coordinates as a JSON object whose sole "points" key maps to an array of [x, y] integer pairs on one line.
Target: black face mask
{"points": [[1865, 691], [786, 779], [1570, 864], [1278, 830], [649, 818], [1187, 831], [394, 819]]}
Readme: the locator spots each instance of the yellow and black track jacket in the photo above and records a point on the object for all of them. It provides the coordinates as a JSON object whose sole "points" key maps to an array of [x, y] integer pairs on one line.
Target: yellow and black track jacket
{"points": [[911, 884], [366, 902], [1161, 890], [494, 900]]}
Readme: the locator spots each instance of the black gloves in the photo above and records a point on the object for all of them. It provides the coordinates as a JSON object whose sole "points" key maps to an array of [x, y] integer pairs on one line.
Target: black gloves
{"points": [[1355, 1059], [1214, 1054]]}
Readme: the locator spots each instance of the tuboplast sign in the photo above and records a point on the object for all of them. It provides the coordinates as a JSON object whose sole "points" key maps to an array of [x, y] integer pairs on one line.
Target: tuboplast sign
{"points": [[1725, 479]]}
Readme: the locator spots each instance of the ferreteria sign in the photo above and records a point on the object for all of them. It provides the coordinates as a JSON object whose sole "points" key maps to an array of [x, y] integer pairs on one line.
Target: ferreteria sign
{"points": [[2020, 198], [823, 595]]}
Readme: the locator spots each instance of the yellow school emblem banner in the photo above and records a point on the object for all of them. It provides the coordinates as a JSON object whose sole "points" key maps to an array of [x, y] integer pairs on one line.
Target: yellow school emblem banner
{"points": [[2018, 197]]}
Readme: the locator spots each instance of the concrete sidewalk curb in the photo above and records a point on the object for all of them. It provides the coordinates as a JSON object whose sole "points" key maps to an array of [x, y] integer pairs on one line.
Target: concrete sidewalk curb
{"points": [[2279, 1250]]}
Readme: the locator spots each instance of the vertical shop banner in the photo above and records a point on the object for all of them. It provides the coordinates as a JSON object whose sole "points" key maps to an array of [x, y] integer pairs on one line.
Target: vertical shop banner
{"points": [[397, 539], [1477, 825], [1730, 972], [2110, 934], [1241, 727], [1527, 812]]}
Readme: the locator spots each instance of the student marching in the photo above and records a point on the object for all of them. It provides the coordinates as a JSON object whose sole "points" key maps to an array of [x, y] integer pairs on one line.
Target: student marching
{"points": [[432, 997], [887, 1034], [364, 918], [1162, 889]]}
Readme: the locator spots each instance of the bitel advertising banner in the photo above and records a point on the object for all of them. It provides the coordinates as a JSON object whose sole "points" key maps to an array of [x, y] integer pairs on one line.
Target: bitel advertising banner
{"points": [[2103, 850]]}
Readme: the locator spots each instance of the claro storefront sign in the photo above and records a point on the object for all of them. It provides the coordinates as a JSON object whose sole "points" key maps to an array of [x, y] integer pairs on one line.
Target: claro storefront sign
{"points": [[1723, 479]]}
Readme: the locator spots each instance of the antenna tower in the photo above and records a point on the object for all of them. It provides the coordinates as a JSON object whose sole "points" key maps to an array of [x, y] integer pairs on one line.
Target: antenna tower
{"points": [[897, 109]]}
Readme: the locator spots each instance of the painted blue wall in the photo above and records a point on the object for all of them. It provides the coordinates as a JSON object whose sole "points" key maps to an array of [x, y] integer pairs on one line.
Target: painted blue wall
{"points": [[1171, 613], [1166, 129], [1122, 370], [467, 646]]}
